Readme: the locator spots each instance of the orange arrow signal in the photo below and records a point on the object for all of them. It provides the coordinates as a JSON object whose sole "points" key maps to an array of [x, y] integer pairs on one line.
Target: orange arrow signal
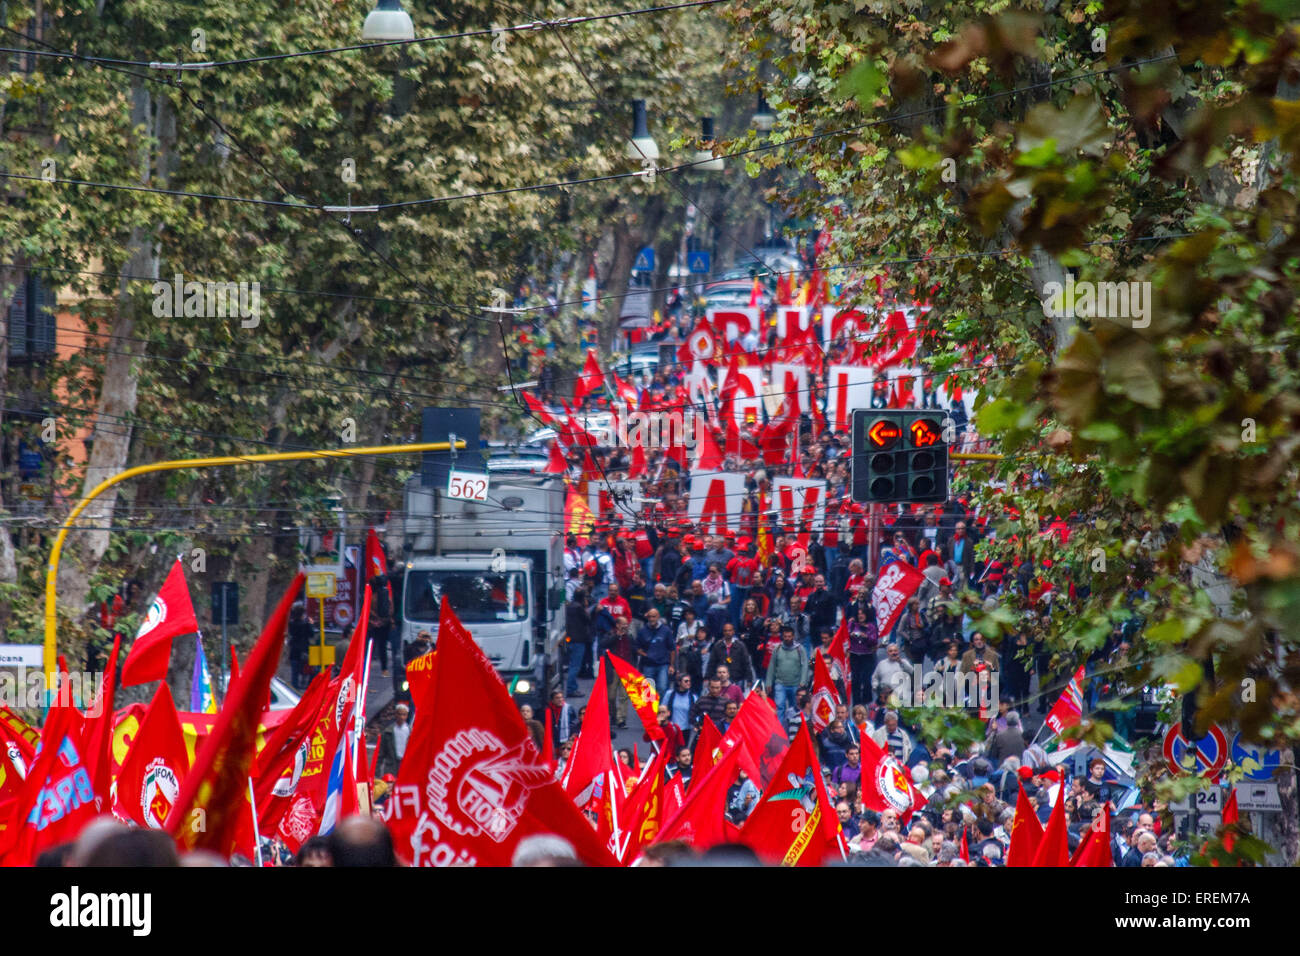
{"points": [[884, 433], [924, 433]]}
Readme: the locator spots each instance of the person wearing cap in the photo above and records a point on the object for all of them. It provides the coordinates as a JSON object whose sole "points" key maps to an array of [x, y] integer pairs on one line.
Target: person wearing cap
{"points": [[392, 742], [743, 571], [699, 567]]}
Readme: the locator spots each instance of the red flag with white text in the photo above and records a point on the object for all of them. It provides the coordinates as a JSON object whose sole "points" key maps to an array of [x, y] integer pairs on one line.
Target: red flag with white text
{"points": [[472, 784], [1068, 709], [897, 582]]}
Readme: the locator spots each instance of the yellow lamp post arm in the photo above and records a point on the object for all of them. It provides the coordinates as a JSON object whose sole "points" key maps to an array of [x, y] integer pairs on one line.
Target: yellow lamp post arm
{"points": [[52, 574]]}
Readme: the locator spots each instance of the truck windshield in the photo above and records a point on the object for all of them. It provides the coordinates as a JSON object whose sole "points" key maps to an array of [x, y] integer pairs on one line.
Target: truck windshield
{"points": [[475, 596]]}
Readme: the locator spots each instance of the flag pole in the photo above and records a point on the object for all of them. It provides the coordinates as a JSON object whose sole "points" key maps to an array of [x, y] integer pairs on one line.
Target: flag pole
{"points": [[359, 728], [257, 837]]}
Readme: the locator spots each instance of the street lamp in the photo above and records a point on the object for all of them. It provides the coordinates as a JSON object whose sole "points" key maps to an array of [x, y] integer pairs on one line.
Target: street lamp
{"points": [[704, 160], [764, 118], [388, 21], [641, 146]]}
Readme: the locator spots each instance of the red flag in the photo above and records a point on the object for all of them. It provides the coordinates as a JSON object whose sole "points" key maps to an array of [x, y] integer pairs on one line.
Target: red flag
{"points": [[1094, 849], [1026, 833], [578, 519], [342, 703], [21, 734], [591, 761], [589, 470], [539, 411], [756, 726], [149, 782], [699, 346], [793, 823], [898, 581], [555, 462], [646, 807], [642, 695], [709, 456], [213, 805], [376, 561], [674, 796], [1067, 712], [824, 696], [420, 672], [472, 784], [1231, 815], [1054, 849], [965, 847], [755, 293], [548, 742], [97, 730], [590, 381], [885, 784], [279, 766], [637, 468], [57, 797], [839, 655], [701, 820], [626, 391], [234, 670], [170, 615], [706, 746]]}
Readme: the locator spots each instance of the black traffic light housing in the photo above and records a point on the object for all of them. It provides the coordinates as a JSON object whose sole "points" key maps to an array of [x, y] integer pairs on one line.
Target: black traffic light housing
{"points": [[899, 455]]}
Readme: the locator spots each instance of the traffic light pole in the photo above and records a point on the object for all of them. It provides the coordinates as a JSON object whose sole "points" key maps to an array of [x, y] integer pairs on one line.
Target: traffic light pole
{"points": [[180, 464]]}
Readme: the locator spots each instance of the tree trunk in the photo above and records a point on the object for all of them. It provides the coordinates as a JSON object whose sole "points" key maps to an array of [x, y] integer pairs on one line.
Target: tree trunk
{"points": [[118, 390], [9, 279]]}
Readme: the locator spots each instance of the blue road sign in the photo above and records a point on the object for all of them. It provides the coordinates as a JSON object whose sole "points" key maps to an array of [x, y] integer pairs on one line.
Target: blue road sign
{"points": [[645, 260], [698, 262], [1258, 762]]}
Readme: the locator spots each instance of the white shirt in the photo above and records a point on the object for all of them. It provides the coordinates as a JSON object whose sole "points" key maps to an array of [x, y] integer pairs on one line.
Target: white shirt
{"points": [[401, 733]]}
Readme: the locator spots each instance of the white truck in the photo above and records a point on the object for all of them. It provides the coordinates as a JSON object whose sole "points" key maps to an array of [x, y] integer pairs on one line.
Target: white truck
{"points": [[501, 564]]}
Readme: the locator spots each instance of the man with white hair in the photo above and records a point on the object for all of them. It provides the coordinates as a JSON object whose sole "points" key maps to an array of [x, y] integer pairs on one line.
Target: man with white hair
{"points": [[921, 780], [544, 850]]}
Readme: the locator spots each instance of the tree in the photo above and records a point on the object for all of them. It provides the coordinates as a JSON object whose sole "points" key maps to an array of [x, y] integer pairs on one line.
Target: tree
{"points": [[1143, 143]]}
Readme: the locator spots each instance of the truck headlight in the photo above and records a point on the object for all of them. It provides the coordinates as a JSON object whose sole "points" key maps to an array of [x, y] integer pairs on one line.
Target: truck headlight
{"points": [[523, 687]]}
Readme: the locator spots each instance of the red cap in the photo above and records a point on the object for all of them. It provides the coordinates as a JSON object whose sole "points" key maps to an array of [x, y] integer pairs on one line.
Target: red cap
{"points": [[945, 583]]}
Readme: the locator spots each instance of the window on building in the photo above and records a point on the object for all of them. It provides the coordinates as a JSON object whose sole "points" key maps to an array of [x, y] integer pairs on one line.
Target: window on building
{"points": [[31, 319]]}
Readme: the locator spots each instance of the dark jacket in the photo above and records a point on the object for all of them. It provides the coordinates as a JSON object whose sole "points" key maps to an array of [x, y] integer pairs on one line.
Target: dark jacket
{"points": [[656, 643], [577, 622], [735, 657], [821, 609], [1007, 743]]}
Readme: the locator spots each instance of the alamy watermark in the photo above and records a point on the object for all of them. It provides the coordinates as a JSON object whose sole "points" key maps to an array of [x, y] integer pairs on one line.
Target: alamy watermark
{"points": [[1103, 300], [177, 298], [21, 687], [656, 430], [972, 689]]}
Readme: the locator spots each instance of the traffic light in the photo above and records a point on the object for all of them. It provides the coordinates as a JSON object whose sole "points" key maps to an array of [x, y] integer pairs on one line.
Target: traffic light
{"points": [[899, 455]]}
